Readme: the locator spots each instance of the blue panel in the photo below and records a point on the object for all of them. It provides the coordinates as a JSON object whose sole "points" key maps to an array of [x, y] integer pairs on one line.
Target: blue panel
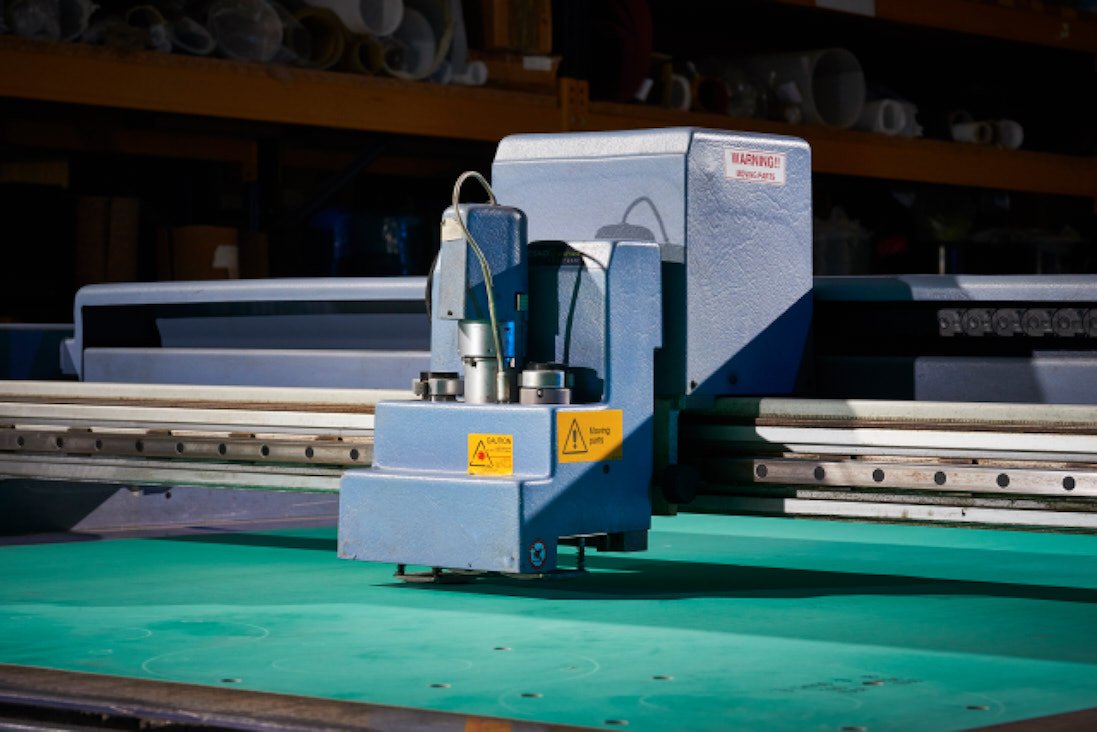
{"points": [[748, 269], [418, 504], [336, 369], [299, 332]]}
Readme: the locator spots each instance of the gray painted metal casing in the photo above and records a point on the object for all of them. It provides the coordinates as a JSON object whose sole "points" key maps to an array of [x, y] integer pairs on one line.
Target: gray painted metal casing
{"points": [[736, 254], [1044, 377], [337, 332], [419, 505]]}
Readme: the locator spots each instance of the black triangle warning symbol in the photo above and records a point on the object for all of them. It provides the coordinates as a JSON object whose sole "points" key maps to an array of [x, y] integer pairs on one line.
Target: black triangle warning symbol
{"points": [[574, 444], [480, 458]]}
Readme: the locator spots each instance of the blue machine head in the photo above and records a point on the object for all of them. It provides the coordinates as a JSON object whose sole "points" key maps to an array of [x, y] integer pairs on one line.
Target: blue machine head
{"points": [[670, 262]]}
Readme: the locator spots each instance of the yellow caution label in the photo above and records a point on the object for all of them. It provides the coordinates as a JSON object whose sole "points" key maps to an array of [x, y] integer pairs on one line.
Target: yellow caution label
{"points": [[586, 437], [491, 454]]}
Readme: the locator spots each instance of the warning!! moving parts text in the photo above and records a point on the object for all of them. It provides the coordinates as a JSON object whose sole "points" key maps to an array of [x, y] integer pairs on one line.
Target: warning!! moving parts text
{"points": [[757, 166]]}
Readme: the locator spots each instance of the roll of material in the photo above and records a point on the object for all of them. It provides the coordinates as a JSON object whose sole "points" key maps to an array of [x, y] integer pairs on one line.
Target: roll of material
{"points": [[148, 19], [456, 68], [827, 84], [73, 17], [366, 17], [327, 34], [192, 37], [884, 116], [36, 19], [245, 30], [296, 45], [363, 55], [417, 48]]}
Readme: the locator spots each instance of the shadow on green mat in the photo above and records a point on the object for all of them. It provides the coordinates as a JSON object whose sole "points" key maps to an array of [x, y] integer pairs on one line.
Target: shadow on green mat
{"points": [[273, 541], [635, 578], [644, 577]]}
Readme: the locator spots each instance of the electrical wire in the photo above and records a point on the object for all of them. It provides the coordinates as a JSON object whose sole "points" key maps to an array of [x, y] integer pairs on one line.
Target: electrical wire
{"points": [[488, 283]]}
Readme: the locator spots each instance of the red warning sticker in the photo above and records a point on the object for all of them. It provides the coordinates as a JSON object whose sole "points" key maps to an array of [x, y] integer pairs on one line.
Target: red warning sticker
{"points": [[755, 166]]}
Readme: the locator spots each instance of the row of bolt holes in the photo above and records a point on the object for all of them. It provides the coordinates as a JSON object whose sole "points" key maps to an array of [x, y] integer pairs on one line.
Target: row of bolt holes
{"points": [[139, 445], [623, 722], [533, 695], [939, 477], [973, 707]]}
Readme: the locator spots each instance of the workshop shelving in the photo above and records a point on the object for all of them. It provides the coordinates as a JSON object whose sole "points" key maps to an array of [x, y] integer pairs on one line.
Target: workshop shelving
{"points": [[87, 75], [145, 80], [91, 102], [864, 154], [1026, 21]]}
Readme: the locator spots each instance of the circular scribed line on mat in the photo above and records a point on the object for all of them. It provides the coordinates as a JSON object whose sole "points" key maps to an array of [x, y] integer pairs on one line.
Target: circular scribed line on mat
{"points": [[538, 553]]}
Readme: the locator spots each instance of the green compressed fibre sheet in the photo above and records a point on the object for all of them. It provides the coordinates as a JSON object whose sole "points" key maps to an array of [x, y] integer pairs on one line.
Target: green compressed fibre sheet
{"points": [[725, 623]]}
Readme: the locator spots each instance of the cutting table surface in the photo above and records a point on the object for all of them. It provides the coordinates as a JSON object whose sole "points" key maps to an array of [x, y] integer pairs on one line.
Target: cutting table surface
{"points": [[750, 623]]}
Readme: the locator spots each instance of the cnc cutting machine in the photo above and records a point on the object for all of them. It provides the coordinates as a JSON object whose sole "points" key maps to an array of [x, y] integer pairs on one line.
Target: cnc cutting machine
{"points": [[626, 333], [629, 326]]}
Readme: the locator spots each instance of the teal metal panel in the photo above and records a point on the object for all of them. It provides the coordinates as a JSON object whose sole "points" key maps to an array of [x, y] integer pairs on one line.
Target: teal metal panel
{"points": [[758, 623]]}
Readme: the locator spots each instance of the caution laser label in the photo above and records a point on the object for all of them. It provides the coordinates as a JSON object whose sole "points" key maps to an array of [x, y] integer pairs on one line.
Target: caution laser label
{"points": [[587, 437], [491, 454]]}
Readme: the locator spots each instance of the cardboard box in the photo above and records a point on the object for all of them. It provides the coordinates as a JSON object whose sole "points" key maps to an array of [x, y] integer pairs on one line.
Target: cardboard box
{"points": [[106, 239], [522, 26], [198, 253], [520, 72]]}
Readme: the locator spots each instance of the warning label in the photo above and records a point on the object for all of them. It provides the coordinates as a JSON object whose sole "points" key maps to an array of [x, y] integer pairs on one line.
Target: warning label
{"points": [[757, 166], [583, 437], [491, 454]]}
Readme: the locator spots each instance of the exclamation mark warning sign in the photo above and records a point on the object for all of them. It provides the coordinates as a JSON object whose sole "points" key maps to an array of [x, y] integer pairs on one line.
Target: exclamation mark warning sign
{"points": [[574, 444], [491, 454]]}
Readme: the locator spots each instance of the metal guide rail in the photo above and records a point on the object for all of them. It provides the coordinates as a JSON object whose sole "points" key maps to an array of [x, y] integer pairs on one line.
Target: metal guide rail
{"points": [[1028, 465], [280, 438]]}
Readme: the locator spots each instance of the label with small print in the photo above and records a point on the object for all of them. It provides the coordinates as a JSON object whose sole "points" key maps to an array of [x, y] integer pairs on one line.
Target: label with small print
{"points": [[755, 166], [491, 454], [589, 436]]}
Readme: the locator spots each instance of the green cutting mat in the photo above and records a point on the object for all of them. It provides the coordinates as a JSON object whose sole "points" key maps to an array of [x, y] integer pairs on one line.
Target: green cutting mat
{"points": [[727, 622]]}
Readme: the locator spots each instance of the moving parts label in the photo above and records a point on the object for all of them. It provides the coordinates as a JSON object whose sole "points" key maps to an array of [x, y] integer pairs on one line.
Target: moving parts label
{"points": [[587, 437]]}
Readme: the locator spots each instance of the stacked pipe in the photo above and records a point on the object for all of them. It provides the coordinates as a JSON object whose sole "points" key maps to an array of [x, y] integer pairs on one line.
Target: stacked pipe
{"points": [[407, 39]]}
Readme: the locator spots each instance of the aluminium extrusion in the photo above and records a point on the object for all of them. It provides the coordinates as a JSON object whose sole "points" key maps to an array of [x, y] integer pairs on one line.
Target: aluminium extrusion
{"points": [[903, 512], [171, 472]]}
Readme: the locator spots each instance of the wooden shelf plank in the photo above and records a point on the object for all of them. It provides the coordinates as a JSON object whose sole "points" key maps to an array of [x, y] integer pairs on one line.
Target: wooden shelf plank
{"points": [[75, 73], [865, 154], [111, 139], [80, 74], [1013, 21]]}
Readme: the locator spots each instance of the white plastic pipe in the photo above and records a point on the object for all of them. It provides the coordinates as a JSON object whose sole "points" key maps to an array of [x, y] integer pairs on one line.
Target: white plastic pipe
{"points": [[73, 17], [149, 19], [416, 47], [1010, 133], [246, 30], [981, 133], [376, 17], [828, 84], [884, 116], [191, 36], [680, 94], [37, 19], [475, 74]]}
